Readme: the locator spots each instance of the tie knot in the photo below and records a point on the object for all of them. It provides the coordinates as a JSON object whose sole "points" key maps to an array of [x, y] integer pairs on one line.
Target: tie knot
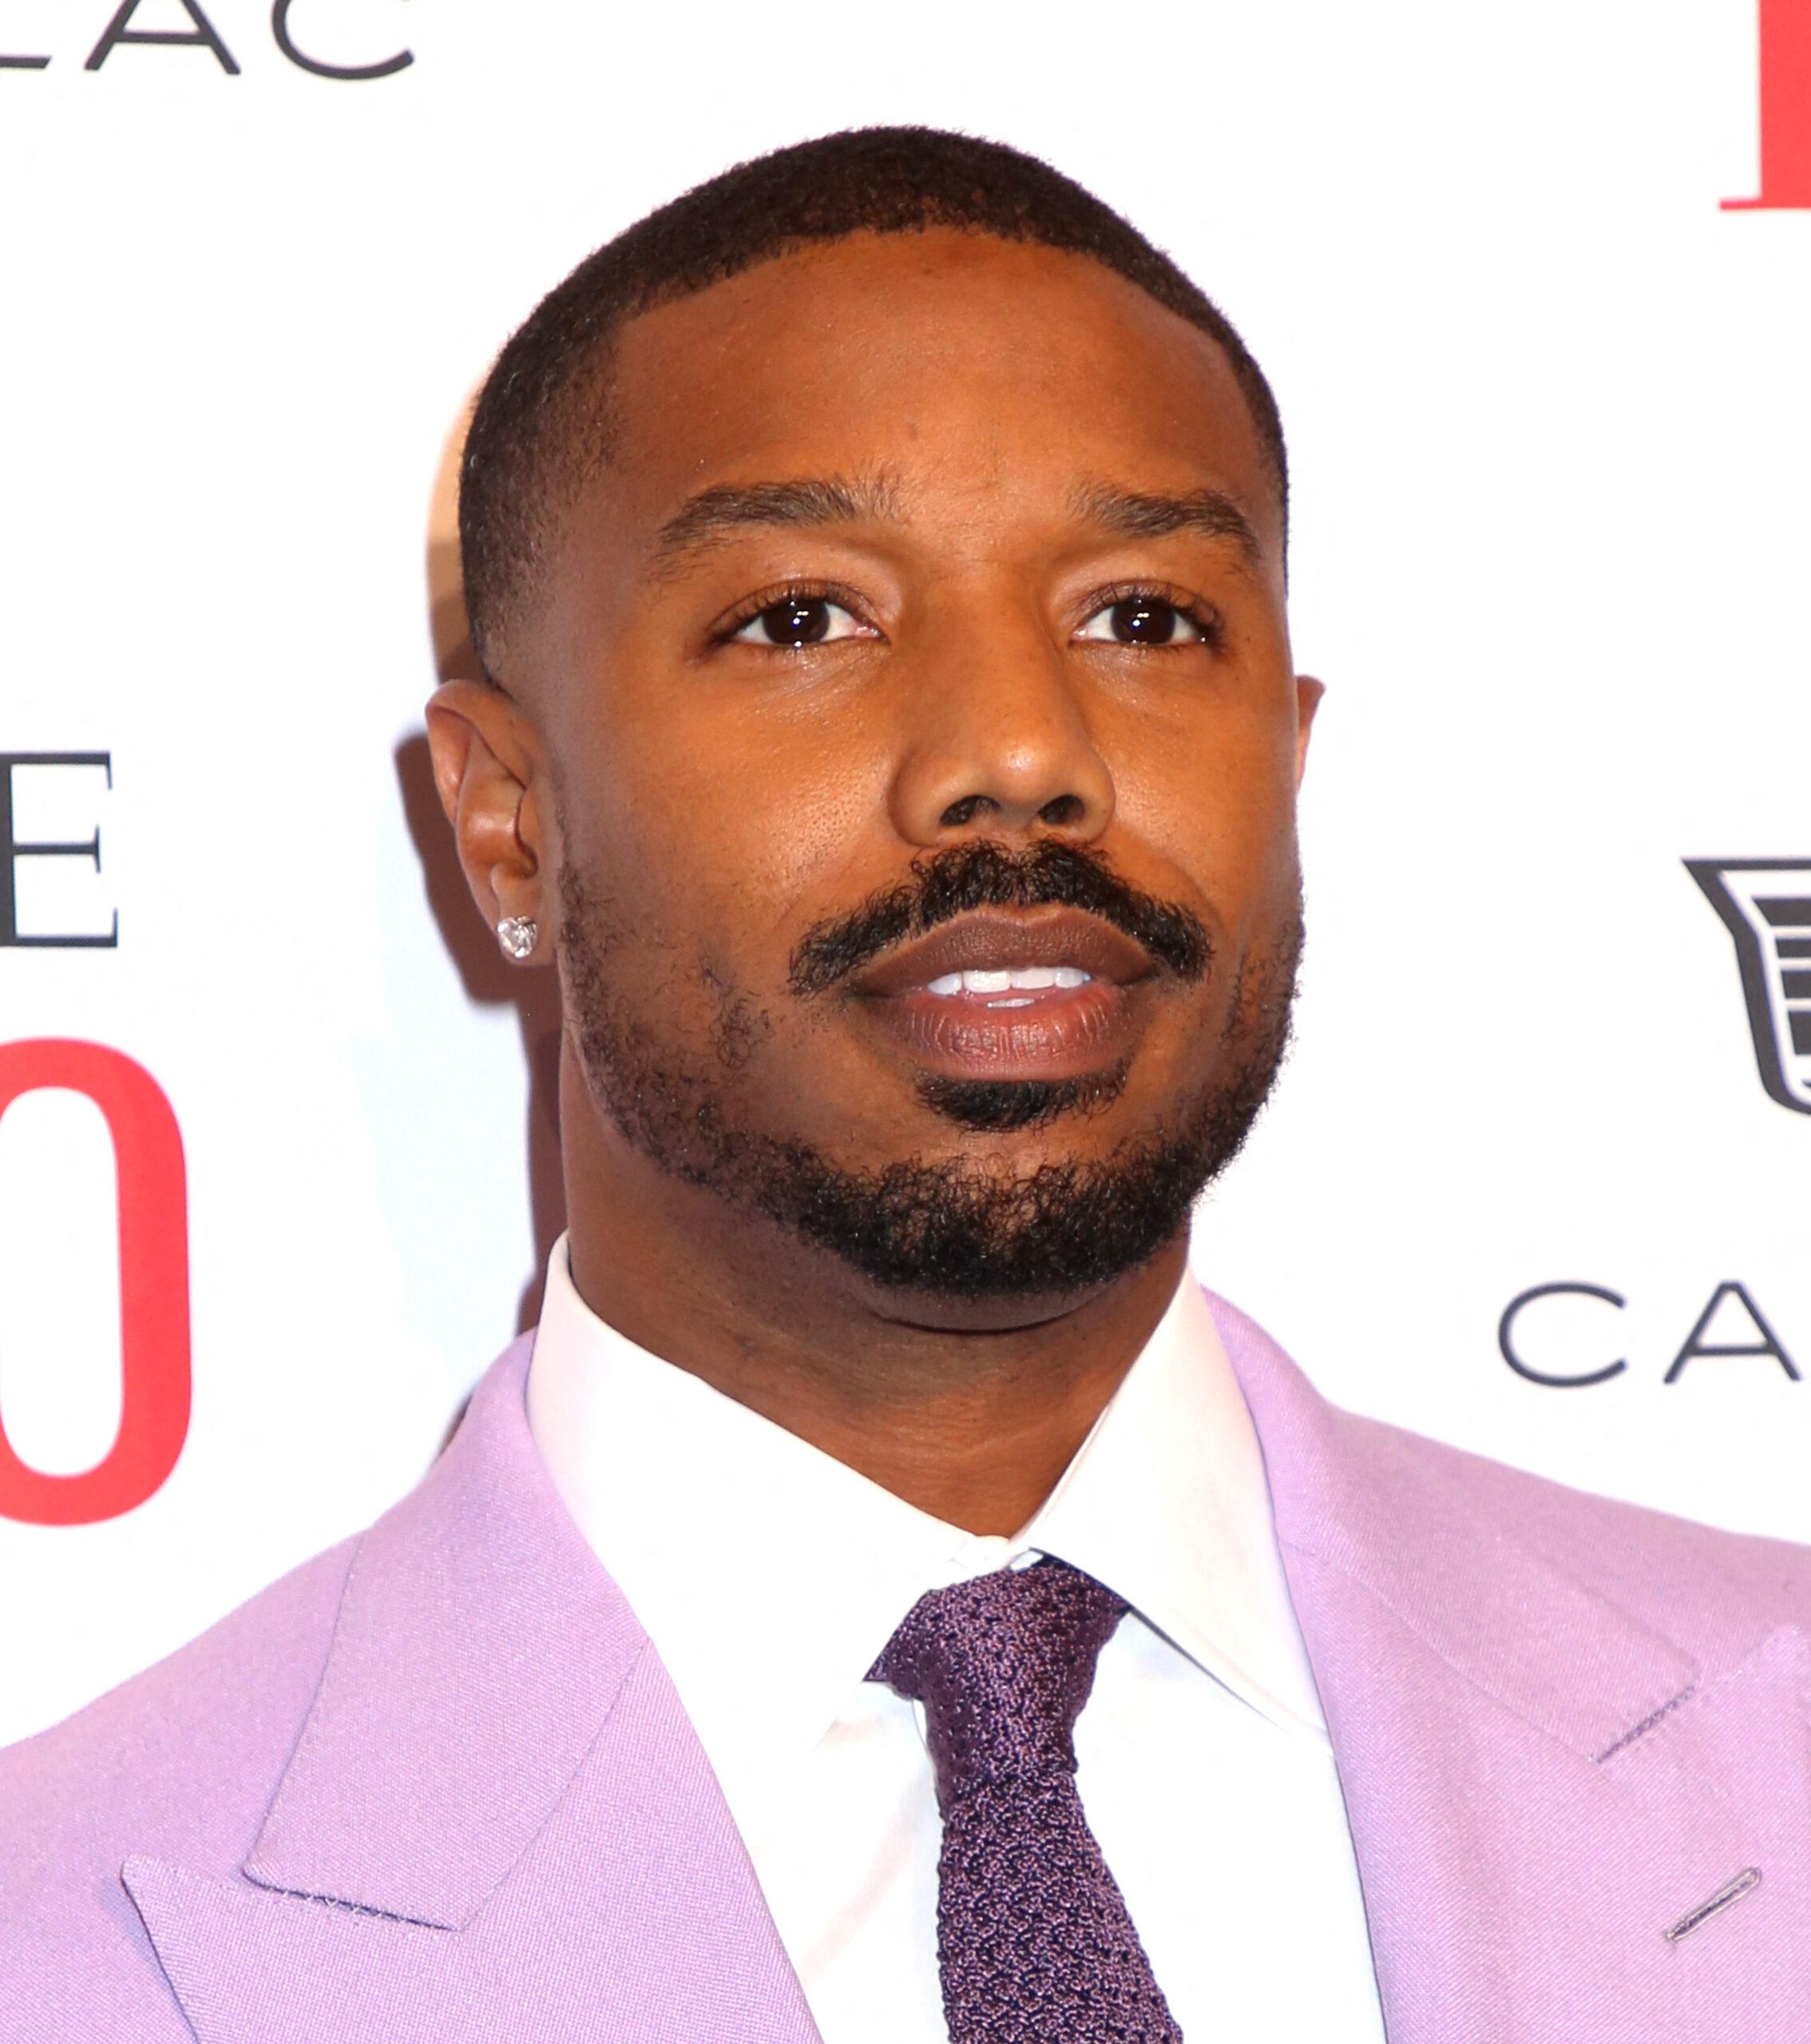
{"points": [[1003, 1665]]}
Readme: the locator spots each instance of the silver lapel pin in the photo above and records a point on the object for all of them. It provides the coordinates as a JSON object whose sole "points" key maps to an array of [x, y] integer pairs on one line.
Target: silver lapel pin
{"points": [[1731, 1891]]}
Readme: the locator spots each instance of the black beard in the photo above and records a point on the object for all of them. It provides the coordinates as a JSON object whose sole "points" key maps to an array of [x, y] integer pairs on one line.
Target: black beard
{"points": [[950, 1230]]}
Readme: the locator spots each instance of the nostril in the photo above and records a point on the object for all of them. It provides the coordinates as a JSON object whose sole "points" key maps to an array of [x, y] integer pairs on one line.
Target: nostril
{"points": [[1063, 812], [966, 810]]}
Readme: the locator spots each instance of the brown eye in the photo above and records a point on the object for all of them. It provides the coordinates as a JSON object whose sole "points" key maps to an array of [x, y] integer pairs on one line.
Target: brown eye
{"points": [[796, 621], [1140, 621]]}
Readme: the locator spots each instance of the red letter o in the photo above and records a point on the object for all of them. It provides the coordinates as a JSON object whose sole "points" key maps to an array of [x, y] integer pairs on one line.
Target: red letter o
{"points": [[153, 1240]]}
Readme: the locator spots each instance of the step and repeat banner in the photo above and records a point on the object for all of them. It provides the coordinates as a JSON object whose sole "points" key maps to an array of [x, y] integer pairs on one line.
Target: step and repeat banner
{"points": [[278, 1163]]}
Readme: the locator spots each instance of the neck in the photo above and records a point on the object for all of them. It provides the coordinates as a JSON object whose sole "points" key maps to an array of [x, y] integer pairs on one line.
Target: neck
{"points": [[973, 1424]]}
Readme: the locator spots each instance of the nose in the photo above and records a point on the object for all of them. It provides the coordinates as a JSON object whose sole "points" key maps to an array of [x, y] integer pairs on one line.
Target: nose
{"points": [[999, 747]]}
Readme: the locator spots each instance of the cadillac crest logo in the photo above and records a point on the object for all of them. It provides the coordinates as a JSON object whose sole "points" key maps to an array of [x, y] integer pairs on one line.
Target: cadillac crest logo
{"points": [[1766, 905]]}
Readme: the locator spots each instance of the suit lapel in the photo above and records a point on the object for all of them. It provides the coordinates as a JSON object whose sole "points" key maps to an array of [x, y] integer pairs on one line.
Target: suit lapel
{"points": [[497, 1820], [1538, 1786]]}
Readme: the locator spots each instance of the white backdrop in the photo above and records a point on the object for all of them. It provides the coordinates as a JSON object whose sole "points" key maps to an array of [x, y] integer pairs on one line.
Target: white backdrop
{"points": [[1552, 425]]}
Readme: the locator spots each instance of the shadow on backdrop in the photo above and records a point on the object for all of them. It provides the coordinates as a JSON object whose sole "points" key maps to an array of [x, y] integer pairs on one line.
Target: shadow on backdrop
{"points": [[489, 980]]}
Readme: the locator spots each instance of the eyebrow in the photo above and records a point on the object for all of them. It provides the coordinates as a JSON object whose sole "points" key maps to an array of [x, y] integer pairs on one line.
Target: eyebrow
{"points": [[1147, 515], [714, 514], [806, 500]]}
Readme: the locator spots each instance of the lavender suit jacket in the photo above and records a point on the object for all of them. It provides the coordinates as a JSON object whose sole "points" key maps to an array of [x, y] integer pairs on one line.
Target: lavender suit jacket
{"points": [[436, 1786]]}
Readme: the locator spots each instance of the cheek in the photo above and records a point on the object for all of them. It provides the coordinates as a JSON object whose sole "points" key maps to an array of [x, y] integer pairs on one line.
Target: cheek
{"points": [[1213, 797], [725, 824]]}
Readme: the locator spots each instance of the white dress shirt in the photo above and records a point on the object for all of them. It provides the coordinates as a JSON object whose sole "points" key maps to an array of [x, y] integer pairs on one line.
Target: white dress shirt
{"points": [[770, 1575]]}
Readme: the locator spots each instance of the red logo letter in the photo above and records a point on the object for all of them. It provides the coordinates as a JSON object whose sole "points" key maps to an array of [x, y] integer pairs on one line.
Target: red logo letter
{"points": [[154, 1238], [1785, 109]]}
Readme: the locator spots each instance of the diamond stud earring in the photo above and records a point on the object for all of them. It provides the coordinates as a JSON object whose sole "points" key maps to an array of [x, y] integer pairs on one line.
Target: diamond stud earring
{"points": [[518, 935]]}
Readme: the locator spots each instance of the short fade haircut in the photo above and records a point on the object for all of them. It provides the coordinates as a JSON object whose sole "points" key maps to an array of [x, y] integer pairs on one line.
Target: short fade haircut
{"points": [[541, 427]]}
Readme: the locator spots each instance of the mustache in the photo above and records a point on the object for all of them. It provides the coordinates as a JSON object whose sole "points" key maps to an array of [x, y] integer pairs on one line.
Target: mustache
{"points": [[987, 875]]}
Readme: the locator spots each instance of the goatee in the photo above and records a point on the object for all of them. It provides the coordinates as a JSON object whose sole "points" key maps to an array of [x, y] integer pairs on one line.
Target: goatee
{"points": [[948, 1228]]}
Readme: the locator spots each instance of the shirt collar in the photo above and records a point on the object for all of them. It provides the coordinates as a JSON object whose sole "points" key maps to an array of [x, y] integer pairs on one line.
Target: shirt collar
{"points": [[769, 1576], [1166, 1502]]}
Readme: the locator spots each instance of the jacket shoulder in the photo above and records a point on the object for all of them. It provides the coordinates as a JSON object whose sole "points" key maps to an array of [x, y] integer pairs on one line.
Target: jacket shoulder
{"points": [[1424, 1513], [1718, 1592]]}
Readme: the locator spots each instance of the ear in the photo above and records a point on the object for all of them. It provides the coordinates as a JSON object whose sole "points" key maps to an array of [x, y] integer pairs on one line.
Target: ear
{"points": [[489, 771], [1308, 694]]}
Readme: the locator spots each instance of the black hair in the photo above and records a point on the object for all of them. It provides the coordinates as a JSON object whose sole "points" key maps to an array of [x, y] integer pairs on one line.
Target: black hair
{"points": [[541, 423]]}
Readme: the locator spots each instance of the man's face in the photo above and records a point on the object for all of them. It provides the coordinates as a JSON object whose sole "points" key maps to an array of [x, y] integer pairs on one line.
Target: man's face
{"points": [[917, 691]]}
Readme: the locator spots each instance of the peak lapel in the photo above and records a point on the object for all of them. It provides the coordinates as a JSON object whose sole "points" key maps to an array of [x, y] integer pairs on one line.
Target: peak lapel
{"points": [[1538, 1786], [497, 1821]]}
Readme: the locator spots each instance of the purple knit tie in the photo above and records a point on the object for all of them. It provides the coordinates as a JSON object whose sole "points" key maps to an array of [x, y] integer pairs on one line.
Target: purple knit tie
{"points": [[1035, 1944]]}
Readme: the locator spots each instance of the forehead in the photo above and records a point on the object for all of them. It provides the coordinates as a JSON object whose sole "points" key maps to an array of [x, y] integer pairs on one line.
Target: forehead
{"points": [[990, 376]]}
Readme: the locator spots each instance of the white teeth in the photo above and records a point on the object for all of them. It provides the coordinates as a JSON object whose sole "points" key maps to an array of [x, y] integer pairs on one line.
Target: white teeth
{"points": [[1024, 979]]}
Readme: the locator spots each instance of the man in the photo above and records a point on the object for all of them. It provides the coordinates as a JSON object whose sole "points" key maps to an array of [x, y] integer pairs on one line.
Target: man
{"points": [[887, 1600]]}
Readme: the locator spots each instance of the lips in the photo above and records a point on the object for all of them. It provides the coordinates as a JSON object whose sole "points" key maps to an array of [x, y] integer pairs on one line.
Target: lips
{"points": [[1047, 994], [995, 940]]}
